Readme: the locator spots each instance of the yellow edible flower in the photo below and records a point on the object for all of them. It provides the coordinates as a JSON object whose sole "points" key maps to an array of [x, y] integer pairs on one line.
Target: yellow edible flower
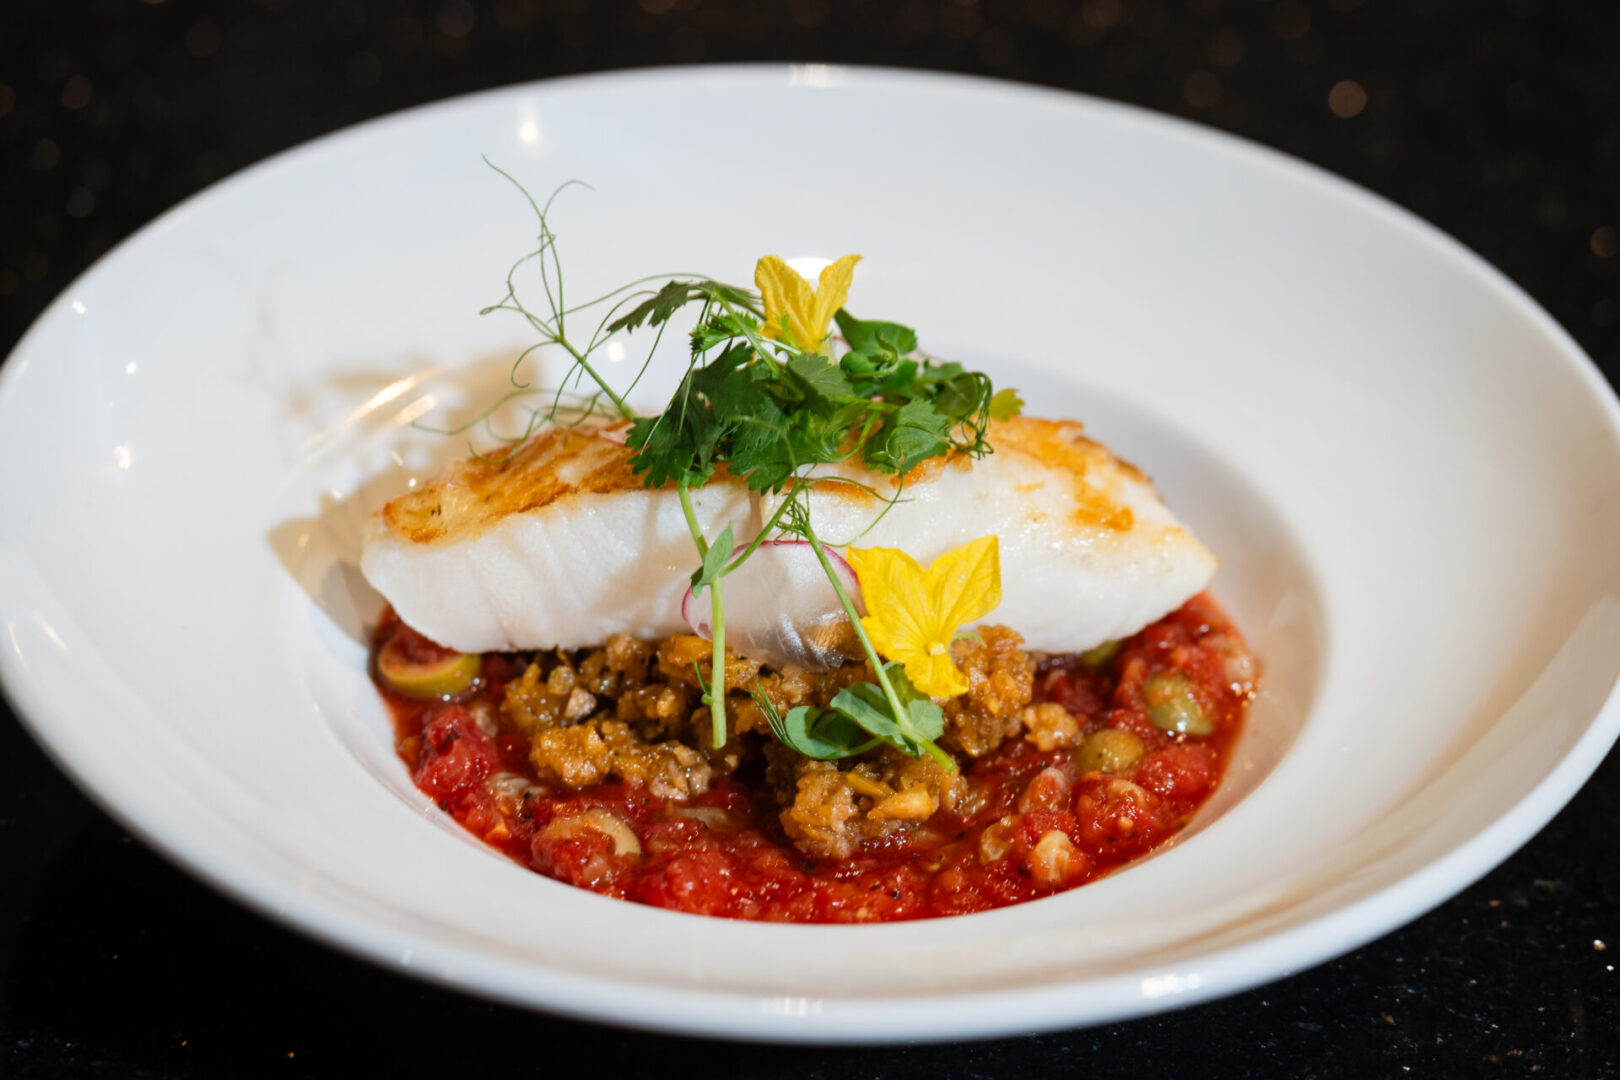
{"points": [[808, 311], [915, 613]]}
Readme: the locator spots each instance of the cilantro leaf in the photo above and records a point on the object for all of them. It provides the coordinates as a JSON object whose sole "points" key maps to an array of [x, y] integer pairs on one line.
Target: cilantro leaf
{"points": [[674, 295], [914, 432], [1005, 404], [721, 328], [730, 387], [666, 450], [820, 437], [655, 309], [762, 451]]}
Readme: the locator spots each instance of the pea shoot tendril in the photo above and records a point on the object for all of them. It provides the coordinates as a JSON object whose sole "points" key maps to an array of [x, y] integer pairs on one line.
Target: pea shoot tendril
{"points": [[768, 394]]}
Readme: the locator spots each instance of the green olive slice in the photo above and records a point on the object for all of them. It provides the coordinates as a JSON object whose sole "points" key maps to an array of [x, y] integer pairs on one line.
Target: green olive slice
{"points": [[426, 674], [1097, 657], [1173, 707]]}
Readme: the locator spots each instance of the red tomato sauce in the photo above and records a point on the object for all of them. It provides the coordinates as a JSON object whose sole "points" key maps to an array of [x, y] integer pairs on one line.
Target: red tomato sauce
{"points": [[1036, 822]]}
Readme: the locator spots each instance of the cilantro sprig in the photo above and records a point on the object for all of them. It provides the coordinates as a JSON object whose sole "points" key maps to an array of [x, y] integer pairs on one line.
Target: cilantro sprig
{"points": [[761, 406], [768, 409]]}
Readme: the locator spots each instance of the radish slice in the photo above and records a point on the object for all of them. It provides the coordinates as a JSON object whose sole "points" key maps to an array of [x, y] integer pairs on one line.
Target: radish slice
{"points": [[781, 609]]}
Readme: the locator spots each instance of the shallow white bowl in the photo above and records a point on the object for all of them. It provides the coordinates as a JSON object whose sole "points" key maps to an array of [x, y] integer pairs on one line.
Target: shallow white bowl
{"points": [[1412, 475]]}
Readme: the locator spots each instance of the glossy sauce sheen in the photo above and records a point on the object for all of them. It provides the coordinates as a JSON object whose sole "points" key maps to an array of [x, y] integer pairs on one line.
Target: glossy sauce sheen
{"points": [[724, 853]]}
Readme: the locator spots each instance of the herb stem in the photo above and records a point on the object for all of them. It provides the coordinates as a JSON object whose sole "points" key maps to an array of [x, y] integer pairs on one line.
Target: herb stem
{"points": [[717, 609], [683, 487], [717, 664], [901, 714], [579, 358], [770, 527]]}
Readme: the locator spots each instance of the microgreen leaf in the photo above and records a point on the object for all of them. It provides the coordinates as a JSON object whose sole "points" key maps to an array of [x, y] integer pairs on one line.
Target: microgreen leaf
{"points": [[901, 380], [912, 731], [874, 337], [714, 561], [858, 365], [865, 704], [823, 734], [959, 395], [925, 720]]}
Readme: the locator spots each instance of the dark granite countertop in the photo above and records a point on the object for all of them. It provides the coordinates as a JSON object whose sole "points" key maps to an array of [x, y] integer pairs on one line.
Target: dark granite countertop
{"points": [[1497, 121]]}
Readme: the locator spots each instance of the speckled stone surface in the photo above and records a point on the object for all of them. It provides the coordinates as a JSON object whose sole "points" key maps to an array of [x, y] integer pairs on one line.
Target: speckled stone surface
{"points": [[1499, 122]]}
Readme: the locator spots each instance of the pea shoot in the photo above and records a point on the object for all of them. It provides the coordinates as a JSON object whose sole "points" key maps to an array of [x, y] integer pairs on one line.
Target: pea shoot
{"points": [[769, 394]]}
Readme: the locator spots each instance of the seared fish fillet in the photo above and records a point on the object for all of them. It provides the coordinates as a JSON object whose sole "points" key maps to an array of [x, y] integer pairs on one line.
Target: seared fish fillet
{"points": [[559, 545]]}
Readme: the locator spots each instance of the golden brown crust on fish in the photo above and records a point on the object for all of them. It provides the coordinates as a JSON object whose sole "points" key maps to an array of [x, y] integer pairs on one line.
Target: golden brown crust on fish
{"points": [[473, 493], [1060, 445], [1056, 444], [561, 464]]}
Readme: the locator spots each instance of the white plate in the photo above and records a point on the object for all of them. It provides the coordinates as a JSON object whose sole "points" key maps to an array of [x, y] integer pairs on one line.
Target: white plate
{"points": [[1412, 474]]}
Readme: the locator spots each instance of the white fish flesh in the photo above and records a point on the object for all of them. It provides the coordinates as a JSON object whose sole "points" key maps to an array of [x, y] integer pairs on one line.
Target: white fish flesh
{"points": [[558, 544]]}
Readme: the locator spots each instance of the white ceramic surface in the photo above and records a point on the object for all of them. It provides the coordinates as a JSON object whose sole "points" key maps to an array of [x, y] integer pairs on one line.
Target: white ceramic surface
{"points": [[1412, 475]]}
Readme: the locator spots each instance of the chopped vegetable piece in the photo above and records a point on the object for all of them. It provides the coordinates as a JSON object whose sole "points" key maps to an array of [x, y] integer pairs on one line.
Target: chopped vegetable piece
{"points": [[1172, 706], [416, 668], [1097, 657], [1110, 750]]}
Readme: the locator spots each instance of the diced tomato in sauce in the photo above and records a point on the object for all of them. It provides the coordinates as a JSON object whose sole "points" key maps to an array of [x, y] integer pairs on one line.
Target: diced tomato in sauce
{"points": [[1039, 824]]}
